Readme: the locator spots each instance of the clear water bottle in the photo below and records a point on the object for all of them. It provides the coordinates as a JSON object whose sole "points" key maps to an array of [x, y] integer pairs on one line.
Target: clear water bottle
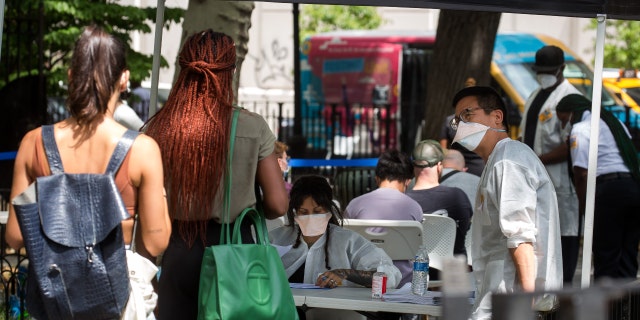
{"points": [[420, 281]]}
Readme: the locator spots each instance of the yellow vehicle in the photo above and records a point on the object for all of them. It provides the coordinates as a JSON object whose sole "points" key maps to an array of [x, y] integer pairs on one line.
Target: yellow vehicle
{"points": [[625, 84]]}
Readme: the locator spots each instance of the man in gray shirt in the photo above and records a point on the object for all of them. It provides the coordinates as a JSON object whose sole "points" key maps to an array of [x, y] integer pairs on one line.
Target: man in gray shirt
{"points": [[393, 173]]}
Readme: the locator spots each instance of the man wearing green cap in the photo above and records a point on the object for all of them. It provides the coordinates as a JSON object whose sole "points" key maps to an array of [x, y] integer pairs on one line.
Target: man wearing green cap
{"points": [[427, 191], [616, 231]]}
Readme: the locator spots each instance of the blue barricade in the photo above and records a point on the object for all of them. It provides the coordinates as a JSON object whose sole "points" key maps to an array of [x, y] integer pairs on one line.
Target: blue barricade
{"points": [[8, 155]]}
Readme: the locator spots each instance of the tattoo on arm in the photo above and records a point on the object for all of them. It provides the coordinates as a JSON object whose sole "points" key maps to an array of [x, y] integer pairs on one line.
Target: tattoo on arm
{"points": [[360, 277]]}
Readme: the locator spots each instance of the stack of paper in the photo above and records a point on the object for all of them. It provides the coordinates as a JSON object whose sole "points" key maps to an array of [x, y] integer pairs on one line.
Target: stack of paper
{"points": [[404, 294], [294, 285]]}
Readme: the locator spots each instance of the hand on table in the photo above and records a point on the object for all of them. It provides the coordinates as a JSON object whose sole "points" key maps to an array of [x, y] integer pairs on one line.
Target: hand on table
{"points": [[328, 279]]}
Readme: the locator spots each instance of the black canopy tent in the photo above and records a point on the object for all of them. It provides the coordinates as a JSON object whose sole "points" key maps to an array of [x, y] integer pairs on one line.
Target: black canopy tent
{"points": [[614, 9], [600, 9]]}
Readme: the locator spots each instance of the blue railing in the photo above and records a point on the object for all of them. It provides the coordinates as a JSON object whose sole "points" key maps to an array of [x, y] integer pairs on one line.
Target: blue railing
{"points": [[8, 155]]}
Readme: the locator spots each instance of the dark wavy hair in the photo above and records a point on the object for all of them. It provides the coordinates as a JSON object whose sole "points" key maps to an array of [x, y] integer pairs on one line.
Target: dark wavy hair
{"points": [[193, 128], [394, 165], [318, 188], [97, 64]]}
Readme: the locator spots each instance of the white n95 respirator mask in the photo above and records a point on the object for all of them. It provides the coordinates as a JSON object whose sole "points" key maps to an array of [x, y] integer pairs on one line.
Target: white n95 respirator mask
{"points": [[313, 224], [470, 134], [546, 80]]}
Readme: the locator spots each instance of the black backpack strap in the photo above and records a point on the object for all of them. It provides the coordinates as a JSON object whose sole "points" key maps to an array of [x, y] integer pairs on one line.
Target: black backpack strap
{"points": [[51, 150], [121, 151], [452, 172]]}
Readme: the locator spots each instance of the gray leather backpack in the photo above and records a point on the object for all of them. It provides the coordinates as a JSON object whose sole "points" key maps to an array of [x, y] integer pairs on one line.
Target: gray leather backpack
{"points": [[71, 224]]}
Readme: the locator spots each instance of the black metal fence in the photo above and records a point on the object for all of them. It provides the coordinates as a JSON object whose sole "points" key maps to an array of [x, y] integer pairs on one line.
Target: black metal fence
{"points": [[334, 130], [13, 272], [361, 131]]}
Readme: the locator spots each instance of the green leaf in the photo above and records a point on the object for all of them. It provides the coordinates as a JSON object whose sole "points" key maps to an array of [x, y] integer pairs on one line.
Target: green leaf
{"points": [[64, 21], [323, 18]]}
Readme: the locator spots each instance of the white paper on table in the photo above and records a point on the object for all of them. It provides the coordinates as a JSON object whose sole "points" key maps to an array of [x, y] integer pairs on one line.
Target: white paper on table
{"points": [[404, 294], [295, 285]]}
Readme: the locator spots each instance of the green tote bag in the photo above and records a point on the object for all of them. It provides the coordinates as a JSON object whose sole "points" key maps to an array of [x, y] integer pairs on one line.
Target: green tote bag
{"points": [[243, 281]]}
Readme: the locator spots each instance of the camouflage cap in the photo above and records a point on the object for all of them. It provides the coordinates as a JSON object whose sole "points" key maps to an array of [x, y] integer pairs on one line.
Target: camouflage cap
{"points": [[427, 153]]}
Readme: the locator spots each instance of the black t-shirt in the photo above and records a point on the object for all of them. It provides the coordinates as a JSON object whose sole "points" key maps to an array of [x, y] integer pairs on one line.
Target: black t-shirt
{"points": [[452, 199]]}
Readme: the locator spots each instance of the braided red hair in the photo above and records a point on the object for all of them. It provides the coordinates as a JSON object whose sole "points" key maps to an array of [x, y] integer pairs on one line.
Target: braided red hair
{"points": [[192, 130]]}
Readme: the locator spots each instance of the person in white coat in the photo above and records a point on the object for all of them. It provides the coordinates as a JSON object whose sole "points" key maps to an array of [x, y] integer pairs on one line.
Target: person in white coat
{"points": [[515, 224], [317, 250], [541, 131], [616, 226]]}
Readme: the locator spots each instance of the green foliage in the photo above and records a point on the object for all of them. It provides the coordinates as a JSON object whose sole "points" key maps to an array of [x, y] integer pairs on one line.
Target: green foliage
{"points": [[322, 18], [622, 43], [62, 23]]}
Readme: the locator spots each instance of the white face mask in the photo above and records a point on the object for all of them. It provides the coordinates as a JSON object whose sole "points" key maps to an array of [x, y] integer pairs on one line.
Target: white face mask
{"points": [[470, 134], [284, 165], [546, 80], [566, 129], [568, 124], [313, 225]]}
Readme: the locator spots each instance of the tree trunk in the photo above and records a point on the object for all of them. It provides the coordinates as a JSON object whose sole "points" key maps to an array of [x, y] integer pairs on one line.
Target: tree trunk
{"points": [[463, 49], [230, 17]]}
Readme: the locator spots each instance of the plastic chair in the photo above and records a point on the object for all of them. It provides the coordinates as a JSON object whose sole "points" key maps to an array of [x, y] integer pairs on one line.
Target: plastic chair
{"points": [[439, 236], [400, 239]]}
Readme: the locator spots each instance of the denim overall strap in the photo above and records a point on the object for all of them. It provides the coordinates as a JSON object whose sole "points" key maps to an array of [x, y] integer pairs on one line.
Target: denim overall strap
{"points": [[121, 151], [51, 150]]}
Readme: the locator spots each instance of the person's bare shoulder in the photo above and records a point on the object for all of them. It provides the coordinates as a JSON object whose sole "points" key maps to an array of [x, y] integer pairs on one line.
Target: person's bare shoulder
{"points": [[145, 146], [27, 145], [30, 137]]}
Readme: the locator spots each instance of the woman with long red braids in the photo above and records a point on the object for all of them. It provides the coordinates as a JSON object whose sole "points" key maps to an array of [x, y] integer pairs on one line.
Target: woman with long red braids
{"points": [[193, 131]]}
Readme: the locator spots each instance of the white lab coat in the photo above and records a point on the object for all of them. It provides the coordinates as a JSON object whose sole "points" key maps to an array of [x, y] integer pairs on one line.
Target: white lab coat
{"points": [[347, 250], [516, 203], [549, 135]]}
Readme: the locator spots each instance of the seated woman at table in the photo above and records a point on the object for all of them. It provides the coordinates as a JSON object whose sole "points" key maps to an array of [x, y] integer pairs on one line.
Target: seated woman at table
{"points": [[322, 252]]}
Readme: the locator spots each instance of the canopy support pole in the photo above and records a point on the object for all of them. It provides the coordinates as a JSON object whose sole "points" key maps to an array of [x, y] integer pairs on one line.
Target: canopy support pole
{"points": [[155, 71], [593, 152], [1, 25], [297, 89]]}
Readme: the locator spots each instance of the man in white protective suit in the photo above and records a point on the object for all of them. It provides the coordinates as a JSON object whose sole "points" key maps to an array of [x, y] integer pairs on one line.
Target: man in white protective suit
{"points": [[515, 224]]}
